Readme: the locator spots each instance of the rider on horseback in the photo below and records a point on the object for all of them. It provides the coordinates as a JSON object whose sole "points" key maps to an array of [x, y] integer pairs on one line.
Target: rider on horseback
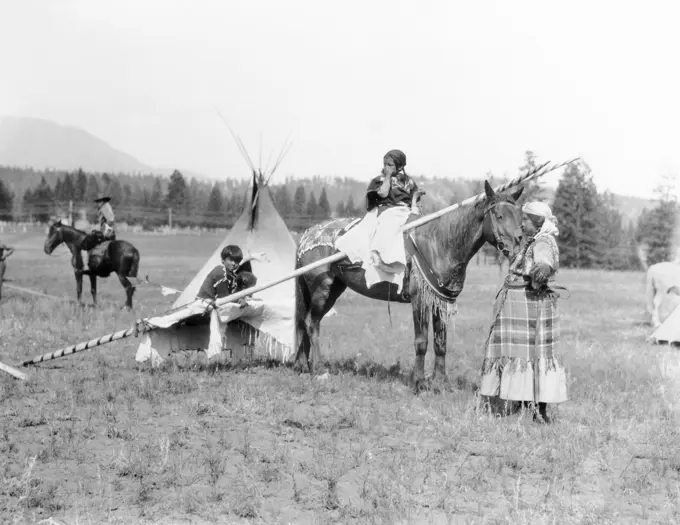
{"points": [[105, 218], [377, 241], [5, 251]]}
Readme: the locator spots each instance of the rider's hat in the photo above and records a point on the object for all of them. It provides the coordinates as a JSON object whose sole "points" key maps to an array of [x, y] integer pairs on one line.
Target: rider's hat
{"points": [[102, 198]]}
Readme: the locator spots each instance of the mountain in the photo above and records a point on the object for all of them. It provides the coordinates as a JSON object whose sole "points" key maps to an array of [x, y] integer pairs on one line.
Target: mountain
{"points": [[42, 144]]}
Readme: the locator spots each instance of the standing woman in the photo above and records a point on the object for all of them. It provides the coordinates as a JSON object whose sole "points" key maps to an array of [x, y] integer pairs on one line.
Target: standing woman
{"points": [[5, 251], [522, 360]]}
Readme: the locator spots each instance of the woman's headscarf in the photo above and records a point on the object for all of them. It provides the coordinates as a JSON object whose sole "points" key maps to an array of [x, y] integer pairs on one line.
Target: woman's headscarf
{"points": [[541, 209], [399, 158]]}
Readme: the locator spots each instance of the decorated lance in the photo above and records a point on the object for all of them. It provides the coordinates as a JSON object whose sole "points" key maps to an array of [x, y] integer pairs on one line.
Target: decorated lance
{"points": [[538, 171]]}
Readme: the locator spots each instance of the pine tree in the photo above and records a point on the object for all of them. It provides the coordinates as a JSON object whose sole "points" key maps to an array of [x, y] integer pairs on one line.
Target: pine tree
{"points": [[68, 189], [660, 240], [323, 206], [27, 204], [42, 201], [115, 192], [93, 188], [615, 244], [156, 198], [300, 202], [312, 206], [80, 186], [282, 201], [215, 202], [340, 209], [576, 208], [106, 180], [350, 209], [145, 200], [176, 195], [128, 199], [58, 194], [6, 202]]}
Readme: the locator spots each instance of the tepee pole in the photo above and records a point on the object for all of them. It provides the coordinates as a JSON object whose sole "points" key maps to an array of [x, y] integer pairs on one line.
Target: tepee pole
{"points": [[539, 171]]}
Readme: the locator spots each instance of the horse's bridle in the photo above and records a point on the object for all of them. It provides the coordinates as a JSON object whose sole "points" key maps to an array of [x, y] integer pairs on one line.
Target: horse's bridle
{"points": [[500, 245]]}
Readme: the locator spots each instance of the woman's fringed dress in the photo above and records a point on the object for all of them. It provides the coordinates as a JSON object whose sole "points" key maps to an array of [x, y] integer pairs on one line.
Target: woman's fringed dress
{"points": [[522, 360]]}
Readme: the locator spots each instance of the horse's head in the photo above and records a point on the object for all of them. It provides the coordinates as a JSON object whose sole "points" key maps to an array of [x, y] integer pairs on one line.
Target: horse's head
{"points": [[502, 220], [54, 237]]}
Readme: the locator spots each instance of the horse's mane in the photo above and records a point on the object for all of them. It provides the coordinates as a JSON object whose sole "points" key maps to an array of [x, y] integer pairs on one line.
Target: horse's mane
{"points": [[461, 224], [69, 227]]}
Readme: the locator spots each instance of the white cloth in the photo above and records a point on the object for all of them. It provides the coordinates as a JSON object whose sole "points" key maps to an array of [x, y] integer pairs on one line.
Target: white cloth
{"points": [[381, 233], [272, 319], [549, 226]]}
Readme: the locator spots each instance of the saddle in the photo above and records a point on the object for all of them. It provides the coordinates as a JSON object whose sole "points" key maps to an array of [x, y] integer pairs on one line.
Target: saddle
{"points": [[96, 238], [413, 255]]}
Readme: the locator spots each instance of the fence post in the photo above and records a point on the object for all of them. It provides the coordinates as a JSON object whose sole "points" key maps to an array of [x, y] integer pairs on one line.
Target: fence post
{"points": [[170, 217], [70, 213]]}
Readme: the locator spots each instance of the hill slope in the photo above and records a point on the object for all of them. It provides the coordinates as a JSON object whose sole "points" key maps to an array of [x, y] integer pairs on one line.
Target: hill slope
{"points": [[42, 144]]}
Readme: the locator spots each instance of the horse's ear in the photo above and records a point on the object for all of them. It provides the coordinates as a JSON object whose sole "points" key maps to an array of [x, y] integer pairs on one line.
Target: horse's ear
{"points": [[488, 189], [515, 196]]}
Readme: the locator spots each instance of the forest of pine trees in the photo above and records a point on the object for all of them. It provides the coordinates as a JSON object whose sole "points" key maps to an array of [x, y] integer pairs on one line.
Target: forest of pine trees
{"points": [[593, 231], [147, 200]]}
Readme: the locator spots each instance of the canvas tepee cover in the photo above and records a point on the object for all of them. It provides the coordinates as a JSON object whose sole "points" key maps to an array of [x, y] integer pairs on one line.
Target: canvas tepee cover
{"points": [[669, 331], [268, 322]]}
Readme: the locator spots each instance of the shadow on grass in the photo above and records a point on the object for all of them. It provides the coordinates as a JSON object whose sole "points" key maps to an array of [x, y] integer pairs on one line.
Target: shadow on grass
{"points": [[345, 366]]}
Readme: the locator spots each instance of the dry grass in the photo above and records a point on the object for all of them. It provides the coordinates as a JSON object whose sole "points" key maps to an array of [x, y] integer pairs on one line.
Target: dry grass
{"points": [[93, 438]]}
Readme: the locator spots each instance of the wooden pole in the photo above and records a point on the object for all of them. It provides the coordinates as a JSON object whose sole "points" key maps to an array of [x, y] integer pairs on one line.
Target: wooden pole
{"points": [[12, 371], [535, 173], [80, 347]]}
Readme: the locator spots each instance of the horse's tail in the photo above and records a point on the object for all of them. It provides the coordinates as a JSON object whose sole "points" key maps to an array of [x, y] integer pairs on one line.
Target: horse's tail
{"points": [[134, 267], [131, 263], [303, 302]]}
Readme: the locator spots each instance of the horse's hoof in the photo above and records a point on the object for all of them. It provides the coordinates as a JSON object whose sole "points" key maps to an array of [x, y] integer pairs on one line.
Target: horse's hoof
{"points": [[421, 385], [440, 377]]}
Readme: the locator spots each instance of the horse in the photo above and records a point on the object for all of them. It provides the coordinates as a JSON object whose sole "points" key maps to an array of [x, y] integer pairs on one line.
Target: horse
{"points": [[444, 247], [661, 279], [116, 256]]}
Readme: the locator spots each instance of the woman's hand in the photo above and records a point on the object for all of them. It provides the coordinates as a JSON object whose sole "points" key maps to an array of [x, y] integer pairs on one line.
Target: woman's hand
{"points": [[540, 275]]}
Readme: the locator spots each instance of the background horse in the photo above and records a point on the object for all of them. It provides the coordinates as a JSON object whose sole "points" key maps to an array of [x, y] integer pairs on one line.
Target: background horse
{"points": [[661, 278], [445, 247], [120, 257]]}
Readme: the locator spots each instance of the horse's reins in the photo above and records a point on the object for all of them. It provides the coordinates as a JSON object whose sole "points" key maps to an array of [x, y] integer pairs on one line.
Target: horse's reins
{"points": [[500, 245]]}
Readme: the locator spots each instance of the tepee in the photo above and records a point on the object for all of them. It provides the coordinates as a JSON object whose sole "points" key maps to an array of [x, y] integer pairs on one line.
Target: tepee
{"points": [[268, 321], [669, 331]]}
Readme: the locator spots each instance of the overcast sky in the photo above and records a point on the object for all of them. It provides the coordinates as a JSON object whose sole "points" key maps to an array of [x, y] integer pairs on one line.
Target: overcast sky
{"points": [[462, 87]]}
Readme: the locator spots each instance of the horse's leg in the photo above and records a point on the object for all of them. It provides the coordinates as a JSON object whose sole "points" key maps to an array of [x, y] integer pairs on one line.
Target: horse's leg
{"points": [[77, 263], [439, 330], [302, 312], [129, 290], [93, 286], [421, 325], [326, 291], [2, 275]]}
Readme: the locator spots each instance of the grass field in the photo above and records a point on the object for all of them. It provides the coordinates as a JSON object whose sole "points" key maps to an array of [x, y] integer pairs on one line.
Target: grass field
{"points": [[95, 438]]}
